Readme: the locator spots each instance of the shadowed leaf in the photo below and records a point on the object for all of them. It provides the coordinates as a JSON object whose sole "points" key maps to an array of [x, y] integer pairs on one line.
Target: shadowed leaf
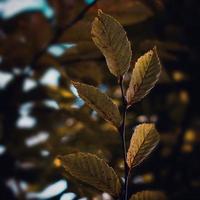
{"points": [[144, 76], [93, 171], [143, 141], [110, 37], [100, 102]]}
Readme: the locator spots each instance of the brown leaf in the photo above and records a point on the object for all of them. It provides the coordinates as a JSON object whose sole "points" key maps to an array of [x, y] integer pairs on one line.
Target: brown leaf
{"points": [[100, 102], [143, 141], [93, 171], [144, 76], [110, 37]]}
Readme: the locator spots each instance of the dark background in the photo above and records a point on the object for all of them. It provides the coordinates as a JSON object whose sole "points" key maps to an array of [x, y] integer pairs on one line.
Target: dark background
{"points": [[44, 45]]}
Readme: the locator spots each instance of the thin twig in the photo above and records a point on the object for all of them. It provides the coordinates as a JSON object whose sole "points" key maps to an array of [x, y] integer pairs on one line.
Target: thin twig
{"points": [[122, 131], [58, 33], [126, 184]]}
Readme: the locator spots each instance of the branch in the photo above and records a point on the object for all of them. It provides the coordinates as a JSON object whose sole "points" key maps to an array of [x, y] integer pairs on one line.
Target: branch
{"points": [[58, 33], [122, 131]]}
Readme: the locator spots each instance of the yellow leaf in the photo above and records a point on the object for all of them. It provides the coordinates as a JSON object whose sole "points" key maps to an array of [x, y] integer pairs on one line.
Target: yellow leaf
{"points": [[143, 141], [93, 171], [144, 76], [100, 102], [110, 37], [149, 195]]}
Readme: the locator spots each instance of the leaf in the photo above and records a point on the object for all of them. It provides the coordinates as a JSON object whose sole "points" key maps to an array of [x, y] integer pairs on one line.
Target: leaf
{"points": [[86, 70], [100, 102], [81, 51], [110, 37], [93, 171], [129, 13], [149, 195], [143, 141], [166, 49], [144, 76]]}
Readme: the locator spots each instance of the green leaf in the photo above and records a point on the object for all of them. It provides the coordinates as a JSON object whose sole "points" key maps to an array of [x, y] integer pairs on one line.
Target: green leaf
{"points": [[93, 171], [144, 76], [149, 195], [100, 102], [143, 141], [110, 37]]}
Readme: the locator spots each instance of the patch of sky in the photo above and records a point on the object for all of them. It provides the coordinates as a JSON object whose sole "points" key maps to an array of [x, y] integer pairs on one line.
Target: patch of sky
{"points": [[103, 87], [2, 149], [51, 104], [74, 90], [44, 153], [51, 77], [26, 122], [29, 84], [94, 115], [58, 50], [16, 71], [5, 79], [78, 102], [11, 183], [23, 185], [28, 70], [68, 196], [50, 191], [10, 8], [25, 108], [39, 138]]}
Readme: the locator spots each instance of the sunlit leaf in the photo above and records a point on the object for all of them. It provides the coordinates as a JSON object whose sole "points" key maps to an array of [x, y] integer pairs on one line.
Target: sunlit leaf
{"points": [[144, 76], [93, 171], [100, 102], [149, 195], [143, 141], [111, 39]]}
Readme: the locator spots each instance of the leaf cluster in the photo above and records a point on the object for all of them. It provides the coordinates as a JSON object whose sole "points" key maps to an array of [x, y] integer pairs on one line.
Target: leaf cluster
{"points": [[110, 37]]}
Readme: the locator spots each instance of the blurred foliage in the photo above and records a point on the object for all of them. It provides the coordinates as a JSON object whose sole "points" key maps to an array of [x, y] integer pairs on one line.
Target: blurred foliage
{"points": [[40, 117]]}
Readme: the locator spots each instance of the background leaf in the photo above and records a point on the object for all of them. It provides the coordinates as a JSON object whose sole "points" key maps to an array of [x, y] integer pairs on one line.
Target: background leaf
{"points": [[143, 141], [99, 101], [148, 195], [111, 39], [144, 76], [92, 170], [26, 99]]}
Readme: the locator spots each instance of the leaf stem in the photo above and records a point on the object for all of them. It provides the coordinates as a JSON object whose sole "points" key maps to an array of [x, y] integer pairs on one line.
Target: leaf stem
{"points": [[122, 131], [126, 184]]}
